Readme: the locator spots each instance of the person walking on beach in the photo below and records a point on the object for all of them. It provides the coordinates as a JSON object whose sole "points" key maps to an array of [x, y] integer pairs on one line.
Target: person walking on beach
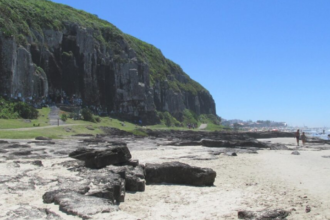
{"points": [[297, 137], [303, 138]]}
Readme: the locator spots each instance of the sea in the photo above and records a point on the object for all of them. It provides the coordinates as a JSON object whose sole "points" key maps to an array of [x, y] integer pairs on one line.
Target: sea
{"points": [[317, 133]]}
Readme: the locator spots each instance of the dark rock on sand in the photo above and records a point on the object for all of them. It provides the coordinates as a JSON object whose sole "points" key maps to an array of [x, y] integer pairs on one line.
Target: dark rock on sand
{"points": [[233, 143], [106, 184], [101, 158], [179, 173], [37, 163], [40, 138], [135, 179], [3, 142], [264, 215], [295, 153]]}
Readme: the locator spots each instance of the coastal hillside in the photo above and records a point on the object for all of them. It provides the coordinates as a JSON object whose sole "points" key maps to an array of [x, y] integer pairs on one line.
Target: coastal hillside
{"points": [[52, 52]]}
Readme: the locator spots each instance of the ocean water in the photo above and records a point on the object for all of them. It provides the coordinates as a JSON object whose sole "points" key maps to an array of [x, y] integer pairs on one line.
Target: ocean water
{"points": [[317, 133]]}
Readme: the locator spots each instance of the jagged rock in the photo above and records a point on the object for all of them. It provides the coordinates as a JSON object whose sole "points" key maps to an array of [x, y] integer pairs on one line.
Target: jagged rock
{"points": [[105, 184], [295, 153], [179, 173], [40, 138], [101, 158], [130, 162], [83, 206], [37, 163], [135, 179], [276, 214]]}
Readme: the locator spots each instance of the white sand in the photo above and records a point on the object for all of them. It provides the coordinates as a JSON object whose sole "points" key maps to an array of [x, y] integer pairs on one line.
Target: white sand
{"points": [[267, 180]]}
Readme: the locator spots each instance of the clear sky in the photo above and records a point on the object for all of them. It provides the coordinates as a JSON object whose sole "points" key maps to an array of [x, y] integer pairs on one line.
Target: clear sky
{"points": [[260, 59]]}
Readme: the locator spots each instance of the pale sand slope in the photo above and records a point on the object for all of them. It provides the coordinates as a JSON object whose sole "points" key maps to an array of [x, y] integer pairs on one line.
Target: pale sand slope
{"points": [[268, 180]]}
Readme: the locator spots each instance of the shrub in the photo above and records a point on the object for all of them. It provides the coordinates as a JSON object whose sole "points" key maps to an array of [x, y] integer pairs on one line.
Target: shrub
{"points": [[87, 115], [64, 117], [25, 111], [97, 119]]}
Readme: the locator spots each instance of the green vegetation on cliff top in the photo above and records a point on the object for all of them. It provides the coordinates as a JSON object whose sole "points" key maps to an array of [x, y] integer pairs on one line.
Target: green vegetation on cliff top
{"points": [[19, 17]]}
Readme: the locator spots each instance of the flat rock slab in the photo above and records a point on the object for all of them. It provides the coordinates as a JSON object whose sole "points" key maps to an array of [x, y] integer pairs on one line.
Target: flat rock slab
{"points": [[80, 205], [101, 158], [29, 212], [179, 173]]}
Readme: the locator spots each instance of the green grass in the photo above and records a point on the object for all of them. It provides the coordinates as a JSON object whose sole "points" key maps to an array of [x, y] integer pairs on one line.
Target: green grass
{"points": [[26, 123], [80, 127]]}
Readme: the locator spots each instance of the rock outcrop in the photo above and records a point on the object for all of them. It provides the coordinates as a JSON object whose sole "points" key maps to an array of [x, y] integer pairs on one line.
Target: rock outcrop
{"points": [[101, 158], [80, 58], [179, 173]]}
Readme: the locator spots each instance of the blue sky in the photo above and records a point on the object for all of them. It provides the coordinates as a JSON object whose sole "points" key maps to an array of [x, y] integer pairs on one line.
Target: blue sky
{"points": [[267, 60]]}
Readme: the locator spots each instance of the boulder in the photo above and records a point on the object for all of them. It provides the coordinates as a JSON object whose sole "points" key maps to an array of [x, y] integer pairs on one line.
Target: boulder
{"points": [[179, 173], [135, 179], [101, 158]]}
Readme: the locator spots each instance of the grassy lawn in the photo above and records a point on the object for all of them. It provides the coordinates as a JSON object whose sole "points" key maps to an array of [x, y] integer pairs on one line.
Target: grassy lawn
{"points": [[26, 123], [77, 127]]}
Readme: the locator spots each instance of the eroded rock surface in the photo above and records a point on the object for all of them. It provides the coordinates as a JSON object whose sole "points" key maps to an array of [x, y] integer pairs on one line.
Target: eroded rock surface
{"points": [[179, 173], [100, 158]]}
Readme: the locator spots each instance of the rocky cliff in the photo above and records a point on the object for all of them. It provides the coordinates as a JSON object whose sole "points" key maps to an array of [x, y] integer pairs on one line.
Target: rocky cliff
{"points": [[52, 50]]}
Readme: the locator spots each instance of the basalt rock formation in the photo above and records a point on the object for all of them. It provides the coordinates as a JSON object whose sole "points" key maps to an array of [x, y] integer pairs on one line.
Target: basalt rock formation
{"points": [[53, 51]]}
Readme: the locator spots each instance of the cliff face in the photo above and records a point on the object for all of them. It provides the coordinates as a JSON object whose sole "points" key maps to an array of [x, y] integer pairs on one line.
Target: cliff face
{"points": [[93, 61]]}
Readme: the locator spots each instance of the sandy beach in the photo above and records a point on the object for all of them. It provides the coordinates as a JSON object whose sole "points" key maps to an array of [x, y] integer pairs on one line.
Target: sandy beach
{"points": [[267, 180]]}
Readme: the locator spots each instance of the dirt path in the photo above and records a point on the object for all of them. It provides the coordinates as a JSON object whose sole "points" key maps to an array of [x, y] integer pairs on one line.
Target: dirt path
{"points": [[202, 126], [54, 118]]}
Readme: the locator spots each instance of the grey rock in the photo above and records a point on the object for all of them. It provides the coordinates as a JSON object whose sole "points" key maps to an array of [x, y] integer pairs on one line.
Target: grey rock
{"points": [[179, 173], [101, 158], [275, 214], [135, 179], [295, 153]]}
